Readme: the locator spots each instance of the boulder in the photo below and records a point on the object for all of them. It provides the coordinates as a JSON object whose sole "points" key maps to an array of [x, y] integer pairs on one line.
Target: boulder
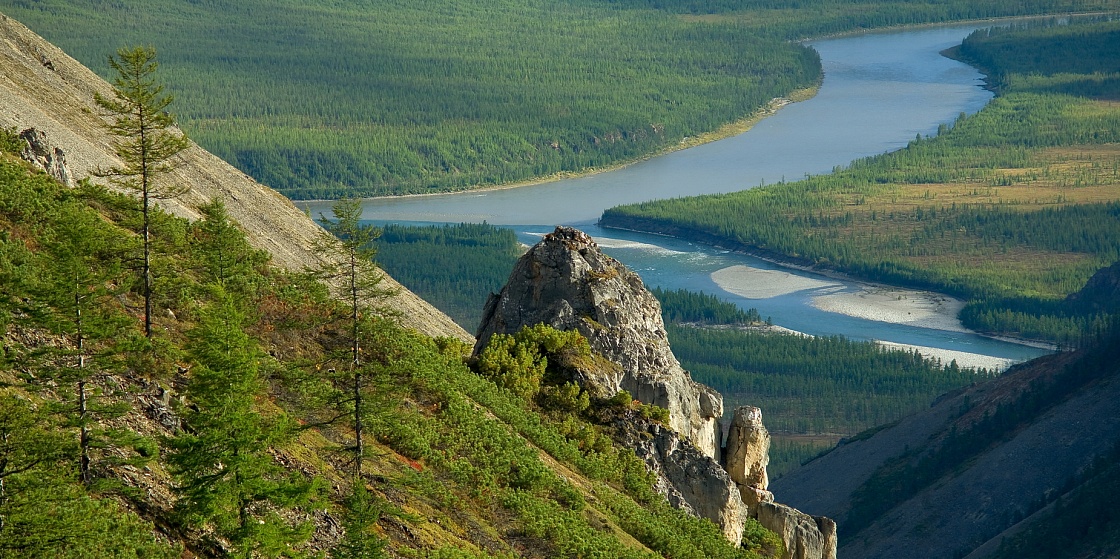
{"points": [[748, 449], [805, 537]]}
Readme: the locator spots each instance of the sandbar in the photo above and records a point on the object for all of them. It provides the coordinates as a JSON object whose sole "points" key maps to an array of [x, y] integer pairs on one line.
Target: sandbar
{"points": [[922, 309], [964, 359], [756, 283]]}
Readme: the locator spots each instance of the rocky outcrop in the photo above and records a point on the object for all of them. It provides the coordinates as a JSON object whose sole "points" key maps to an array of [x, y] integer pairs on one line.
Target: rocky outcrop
{"points": [[748, 447], [690, 480], [805, 537], [565, 281], [48, 158]]}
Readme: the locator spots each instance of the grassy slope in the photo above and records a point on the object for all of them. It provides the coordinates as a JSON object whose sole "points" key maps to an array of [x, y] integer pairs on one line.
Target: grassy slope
{"points": [[463, 467]]}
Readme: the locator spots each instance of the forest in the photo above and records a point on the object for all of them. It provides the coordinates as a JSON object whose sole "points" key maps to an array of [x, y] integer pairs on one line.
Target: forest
{"points": [[326, 99], [1011, 209], [258, 403], [453, 267]]}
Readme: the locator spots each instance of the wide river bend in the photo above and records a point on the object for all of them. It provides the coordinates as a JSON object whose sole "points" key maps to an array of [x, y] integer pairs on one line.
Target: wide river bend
{"points": [[879, 91]]}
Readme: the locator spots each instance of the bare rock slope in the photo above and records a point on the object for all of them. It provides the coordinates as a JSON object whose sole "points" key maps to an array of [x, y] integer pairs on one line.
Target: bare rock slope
{"points": [[42, 88]]}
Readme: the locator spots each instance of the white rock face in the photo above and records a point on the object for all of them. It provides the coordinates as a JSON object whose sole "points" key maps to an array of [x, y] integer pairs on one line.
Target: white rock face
{"points": [[748, 449], [565, 281]]}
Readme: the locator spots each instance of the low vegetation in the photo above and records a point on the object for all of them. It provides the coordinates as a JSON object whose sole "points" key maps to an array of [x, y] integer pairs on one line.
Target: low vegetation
{"points": [[1011, 209], [240, 419]]}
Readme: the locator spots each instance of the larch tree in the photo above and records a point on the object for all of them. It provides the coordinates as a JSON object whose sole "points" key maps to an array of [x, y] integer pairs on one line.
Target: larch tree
{"points": [[77, 291], [146, 141], [351, 270], [225, 474]]}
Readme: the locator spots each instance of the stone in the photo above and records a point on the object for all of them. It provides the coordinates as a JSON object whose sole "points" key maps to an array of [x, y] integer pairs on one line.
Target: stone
{"points": [[805, 537], [748, 449], [690, 480], [567, 282], [49, 159]]}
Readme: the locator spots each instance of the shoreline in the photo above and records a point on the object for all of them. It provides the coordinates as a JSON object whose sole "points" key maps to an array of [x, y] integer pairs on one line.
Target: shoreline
{"points": [[728, 130], [964, 359]]}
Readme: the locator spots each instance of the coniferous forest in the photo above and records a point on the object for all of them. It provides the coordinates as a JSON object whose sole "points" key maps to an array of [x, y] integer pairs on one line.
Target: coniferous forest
{"points": [[326, 99]]}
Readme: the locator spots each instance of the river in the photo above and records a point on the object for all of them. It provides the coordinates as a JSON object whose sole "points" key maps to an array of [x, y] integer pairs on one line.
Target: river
{"points": [[879, 91]]}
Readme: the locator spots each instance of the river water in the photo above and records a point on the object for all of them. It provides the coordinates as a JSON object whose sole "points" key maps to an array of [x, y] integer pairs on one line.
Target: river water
{"points": [[879, 91]]}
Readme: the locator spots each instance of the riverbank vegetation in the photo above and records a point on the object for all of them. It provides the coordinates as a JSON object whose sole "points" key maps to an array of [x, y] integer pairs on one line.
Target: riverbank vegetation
{"points": [[1011, 209], [229, 430], [326, 99]]}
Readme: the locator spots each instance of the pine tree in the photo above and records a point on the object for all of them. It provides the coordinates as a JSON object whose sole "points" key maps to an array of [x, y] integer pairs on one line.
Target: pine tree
{"points": [[225, 256], [362, 511], [146, 143], [227, 479], [76, 287]]}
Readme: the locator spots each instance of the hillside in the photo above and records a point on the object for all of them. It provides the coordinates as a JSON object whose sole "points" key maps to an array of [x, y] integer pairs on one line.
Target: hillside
{"points": [[262, 417], [979, 465], [45, 89]]}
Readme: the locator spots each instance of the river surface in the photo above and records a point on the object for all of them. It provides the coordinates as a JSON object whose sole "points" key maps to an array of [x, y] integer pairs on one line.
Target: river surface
{"points": [[880, 90]]}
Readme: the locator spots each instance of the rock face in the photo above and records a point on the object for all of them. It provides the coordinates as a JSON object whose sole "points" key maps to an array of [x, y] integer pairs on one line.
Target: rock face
{"points": [[690, 480], [567, 282], [748, 449], [805, 537], [46, 157]]}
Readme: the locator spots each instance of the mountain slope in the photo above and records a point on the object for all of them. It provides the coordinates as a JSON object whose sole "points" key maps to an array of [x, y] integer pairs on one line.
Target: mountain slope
{"points": [[43, 88], [946, 481]]}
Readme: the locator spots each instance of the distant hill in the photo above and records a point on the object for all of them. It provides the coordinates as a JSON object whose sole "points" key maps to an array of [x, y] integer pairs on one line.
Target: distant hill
{"points": [[1015, 457]]}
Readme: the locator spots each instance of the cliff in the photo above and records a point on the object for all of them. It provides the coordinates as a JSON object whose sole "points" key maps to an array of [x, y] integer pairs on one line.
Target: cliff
{"points": [[567, 282], [43, 89]]}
